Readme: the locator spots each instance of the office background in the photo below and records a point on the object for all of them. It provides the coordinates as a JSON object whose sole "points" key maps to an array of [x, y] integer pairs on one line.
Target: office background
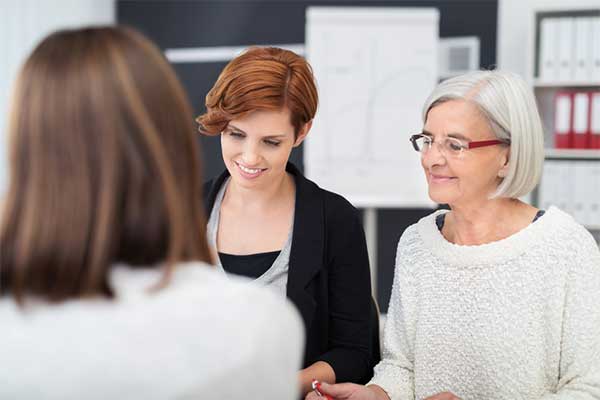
{"points": [[504, 28]]}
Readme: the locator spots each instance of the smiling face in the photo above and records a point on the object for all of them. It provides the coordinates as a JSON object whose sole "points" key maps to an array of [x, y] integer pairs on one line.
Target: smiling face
{"points": [[256, 147], [475, 174]]}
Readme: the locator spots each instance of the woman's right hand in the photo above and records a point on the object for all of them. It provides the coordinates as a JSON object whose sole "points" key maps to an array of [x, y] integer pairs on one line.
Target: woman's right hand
{"points": [[348, 391]]}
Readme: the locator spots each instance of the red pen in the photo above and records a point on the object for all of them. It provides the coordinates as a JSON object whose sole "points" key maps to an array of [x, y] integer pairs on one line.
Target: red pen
{"points": [[316, 385]]}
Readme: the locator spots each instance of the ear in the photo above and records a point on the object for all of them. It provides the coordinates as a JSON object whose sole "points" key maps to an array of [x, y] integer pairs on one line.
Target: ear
{"points": [[503, 171], [303, 132]]}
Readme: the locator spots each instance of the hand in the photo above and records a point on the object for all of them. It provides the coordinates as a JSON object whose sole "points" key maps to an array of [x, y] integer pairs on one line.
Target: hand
{"points": [[444, 396], [344, 391]]}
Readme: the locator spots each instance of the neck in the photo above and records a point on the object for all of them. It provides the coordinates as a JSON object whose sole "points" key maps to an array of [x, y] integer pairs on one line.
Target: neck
{"points": [[260, 197], [486, 221]]}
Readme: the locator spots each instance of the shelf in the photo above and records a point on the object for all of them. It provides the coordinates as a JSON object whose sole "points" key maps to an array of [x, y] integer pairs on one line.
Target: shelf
{"points": [[573, 153], [538, 83]]}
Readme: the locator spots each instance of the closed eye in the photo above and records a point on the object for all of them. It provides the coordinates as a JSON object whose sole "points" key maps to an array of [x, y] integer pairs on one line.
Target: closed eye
{"points": [[237, 135], [271, 142]]}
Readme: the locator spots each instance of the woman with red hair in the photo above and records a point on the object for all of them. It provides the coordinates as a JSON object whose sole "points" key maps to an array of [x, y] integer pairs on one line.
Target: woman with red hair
{"points": [[268, 222]]}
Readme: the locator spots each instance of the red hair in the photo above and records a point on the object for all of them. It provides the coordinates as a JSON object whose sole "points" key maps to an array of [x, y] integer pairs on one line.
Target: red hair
{"points": [[262, 78]]}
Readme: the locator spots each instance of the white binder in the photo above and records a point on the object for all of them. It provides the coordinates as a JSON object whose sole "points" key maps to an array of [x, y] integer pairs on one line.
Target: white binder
{"points": [[565, 41], [595, 49], [548, 189], [593, 195], [580, 204], [583, 49], [548, 68], [565, 185]]}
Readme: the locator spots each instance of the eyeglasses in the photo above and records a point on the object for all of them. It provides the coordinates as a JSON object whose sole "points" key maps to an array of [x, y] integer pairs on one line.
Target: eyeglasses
{"points": [[450, 146]]}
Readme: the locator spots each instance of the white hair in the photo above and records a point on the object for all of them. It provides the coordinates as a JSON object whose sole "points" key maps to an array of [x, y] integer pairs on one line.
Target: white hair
{"points": [[508, 104]]}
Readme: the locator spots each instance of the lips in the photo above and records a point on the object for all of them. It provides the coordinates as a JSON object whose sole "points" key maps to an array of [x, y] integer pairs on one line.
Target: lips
{"points": [[249, 173], [436, 178]]}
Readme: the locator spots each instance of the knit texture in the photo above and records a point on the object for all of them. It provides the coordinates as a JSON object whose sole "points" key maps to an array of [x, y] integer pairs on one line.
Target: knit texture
{"points": [[514, 319]]}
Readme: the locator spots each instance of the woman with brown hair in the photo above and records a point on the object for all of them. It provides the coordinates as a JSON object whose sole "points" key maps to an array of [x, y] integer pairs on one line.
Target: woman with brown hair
{"points": [[268, 222], [106, 287]]}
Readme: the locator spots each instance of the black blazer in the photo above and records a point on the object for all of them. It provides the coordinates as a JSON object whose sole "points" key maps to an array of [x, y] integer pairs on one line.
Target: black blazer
{"points": [[328, 279]]}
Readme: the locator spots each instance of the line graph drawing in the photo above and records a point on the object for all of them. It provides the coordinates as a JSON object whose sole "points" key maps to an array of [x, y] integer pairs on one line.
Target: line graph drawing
{"points": [[374, 70]]}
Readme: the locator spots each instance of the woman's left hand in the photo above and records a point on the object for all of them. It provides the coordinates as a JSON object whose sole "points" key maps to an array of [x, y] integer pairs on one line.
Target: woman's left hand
{"points": [[444, 396]]}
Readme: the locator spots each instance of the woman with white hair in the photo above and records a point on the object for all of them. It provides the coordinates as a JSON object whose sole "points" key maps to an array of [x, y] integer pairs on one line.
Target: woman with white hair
{"points": [[493, 299]]}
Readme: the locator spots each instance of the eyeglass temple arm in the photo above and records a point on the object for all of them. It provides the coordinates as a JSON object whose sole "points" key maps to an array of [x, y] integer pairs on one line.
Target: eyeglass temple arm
{"points": [[484, 143]]}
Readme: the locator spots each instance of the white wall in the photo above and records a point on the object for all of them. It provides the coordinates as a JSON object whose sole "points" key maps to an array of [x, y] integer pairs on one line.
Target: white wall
{"points": [[23, 23], [515, 30]]}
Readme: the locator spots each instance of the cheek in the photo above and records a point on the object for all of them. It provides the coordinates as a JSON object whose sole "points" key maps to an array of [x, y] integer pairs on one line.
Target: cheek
{"points": [[423, 163], [281, 155]]}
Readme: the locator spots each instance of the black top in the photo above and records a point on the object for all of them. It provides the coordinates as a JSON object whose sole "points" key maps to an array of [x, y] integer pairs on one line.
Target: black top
{"points": [[329, 280], [251, 265], [439, 220]]}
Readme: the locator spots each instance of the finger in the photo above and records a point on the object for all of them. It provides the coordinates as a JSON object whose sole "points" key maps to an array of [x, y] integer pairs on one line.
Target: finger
{"points": [[443, 396], [311, 396], [338, 390]]}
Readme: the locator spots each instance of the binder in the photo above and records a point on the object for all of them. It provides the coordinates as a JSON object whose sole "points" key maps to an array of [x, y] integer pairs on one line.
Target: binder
{"points": [[593, 195], [595, 49], [583, 46], [563, 109], [565, 184], [565, 41], [581, 132], [595, 121], [548, 189], [580, 203], [548, 51]]}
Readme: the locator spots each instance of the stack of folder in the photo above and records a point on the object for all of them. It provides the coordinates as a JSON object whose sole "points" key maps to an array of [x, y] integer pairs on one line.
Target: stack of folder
{"points": [[569, 49], [577, 119]]}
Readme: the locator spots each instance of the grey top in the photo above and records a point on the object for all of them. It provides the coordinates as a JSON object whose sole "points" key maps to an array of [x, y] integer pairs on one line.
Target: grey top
{"points": [[276, 276]]}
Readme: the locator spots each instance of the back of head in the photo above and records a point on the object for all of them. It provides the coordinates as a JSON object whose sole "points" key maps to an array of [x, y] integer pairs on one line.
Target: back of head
{"points": [[508, 104], [262, 78], [104, 166]]}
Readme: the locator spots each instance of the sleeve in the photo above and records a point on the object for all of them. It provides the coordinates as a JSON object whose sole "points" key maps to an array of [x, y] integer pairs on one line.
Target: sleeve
{"points": [[579, 372], [349, 295], [395, 371]]}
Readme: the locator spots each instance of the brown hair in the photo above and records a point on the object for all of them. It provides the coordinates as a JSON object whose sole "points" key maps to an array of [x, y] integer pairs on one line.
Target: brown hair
{"points": [[104, 166], [262, 78]]}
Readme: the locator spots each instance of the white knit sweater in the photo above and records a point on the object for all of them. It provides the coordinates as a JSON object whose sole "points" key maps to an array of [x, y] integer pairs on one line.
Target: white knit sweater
{"points": [[515, 319]]}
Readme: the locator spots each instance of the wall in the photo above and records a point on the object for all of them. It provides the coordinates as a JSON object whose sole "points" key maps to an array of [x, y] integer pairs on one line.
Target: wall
{"points": [[22, 24]]}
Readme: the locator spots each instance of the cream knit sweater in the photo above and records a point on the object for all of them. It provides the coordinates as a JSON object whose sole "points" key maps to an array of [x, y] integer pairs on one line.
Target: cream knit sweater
{"points": [[514, 319]]}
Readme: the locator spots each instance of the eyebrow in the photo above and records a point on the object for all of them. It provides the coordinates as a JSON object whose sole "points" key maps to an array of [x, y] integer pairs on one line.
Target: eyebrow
{"points": [[452, 135], [235, 128]]}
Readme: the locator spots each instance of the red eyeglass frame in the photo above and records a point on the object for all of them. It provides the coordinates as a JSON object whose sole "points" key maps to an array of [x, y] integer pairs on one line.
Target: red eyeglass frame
{"points": [[483, 143]]}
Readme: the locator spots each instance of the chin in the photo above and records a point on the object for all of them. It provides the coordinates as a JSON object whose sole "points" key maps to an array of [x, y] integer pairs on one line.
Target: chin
{"points": [[440, 197]]}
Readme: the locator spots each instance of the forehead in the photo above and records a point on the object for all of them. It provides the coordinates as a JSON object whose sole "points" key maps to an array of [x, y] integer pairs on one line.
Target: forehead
{"points": [[265, 122], [458, 117]]}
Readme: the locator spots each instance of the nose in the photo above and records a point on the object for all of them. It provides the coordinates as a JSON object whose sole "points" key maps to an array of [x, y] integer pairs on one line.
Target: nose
{"points": [[251, 155], [433, 156]]}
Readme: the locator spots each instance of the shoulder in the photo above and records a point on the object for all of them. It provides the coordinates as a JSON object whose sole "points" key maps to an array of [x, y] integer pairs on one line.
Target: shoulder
{"points": [[337, 210], [335, 205], [423, 230], [413, 245], [564, 238], [563, 232]]}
